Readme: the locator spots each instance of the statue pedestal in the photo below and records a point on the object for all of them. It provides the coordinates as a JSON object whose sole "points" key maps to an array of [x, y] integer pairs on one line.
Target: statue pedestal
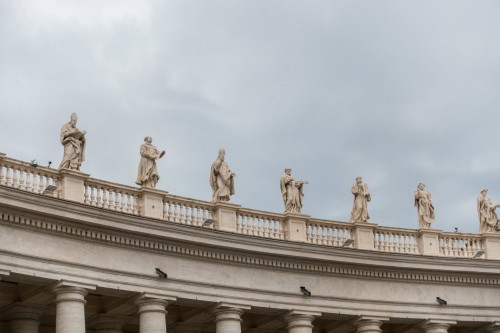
{"points": [[491, 245], [363, 235], [72, 185], [225, 216], [428, 241], [152, 202], [295, 227]]}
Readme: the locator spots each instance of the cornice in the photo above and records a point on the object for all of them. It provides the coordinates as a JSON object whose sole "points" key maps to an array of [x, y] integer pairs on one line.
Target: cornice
{"points": [[138, 241]]}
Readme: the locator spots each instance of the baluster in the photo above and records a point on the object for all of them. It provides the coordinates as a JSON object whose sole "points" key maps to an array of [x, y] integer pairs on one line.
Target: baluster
{"points": [[15, 181], [85, 193], [111, 198], [123, 198], [170, 217], [199, 214], [193, 218], [29, 184], [105, 198], [93, 201], [177, 213], [99, 197], [8, 178], [260, 223], [2, 182], [244, 226], [22, 180], [136, 207], [183, 214]]}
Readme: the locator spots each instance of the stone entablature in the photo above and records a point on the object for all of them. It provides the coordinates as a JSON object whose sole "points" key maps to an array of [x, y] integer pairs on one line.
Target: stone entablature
{"points": [[152, 203]]}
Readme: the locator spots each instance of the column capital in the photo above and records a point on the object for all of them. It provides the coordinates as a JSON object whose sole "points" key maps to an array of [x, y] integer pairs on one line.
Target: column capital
{"points": [[436, 325], [25, 311], [300, 319], [149, 304], [228, 311], [369, 323], [68, 293]]}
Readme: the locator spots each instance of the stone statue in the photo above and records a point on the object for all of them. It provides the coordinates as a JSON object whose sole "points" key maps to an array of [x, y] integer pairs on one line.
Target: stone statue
{"points": [[424, 206], [221, 179], [292, 191], [361, 198], [73, 141], [488, 219], [148, 176]]}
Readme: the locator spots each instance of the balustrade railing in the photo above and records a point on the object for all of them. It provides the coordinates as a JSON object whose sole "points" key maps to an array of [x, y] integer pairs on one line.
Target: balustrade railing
{"points": [[186, 211], [28, 177], [461, 245], [329, 233], [260, 224], [107, 195], [180, 210], [396, 240]]}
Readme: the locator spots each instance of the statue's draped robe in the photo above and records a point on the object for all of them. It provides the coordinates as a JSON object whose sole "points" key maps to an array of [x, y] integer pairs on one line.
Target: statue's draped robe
{"points": [[221, 181], [487, 216], [425, 209], [74, 147], [293, 193], [147, 174], [359, 211]]}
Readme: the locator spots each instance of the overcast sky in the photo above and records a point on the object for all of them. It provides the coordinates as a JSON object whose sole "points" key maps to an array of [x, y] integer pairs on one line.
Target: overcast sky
{"points": [[399, 92]]}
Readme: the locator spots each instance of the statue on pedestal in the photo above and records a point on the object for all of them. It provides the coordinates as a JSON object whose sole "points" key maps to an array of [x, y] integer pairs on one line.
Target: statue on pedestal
{"points": [[424, 206], [362, 196], [488, 219], [292, 191], [147, 175], [221, 179], [73, 141]]}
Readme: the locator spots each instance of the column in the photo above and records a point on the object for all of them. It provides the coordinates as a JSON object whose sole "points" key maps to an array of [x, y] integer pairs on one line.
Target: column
{"points": [[70, 309], [24, 319], [299, 322], [436, 326], [228, 319], [152, 315], [365, 324]]}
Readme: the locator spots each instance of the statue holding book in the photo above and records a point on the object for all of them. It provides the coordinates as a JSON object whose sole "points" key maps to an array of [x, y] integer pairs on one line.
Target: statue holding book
{"points": [[147, 175], [73, 141]]}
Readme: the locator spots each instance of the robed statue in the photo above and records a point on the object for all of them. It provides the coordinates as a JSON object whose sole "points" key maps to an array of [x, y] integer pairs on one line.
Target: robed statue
{"points": [[221, 179], [424, 206], [292, 191], [362, 196], [488, 220], [73, 141], [147, 175]]}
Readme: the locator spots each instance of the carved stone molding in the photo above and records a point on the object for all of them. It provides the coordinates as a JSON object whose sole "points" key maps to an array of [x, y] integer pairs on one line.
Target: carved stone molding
{"points": [[107, 237]]}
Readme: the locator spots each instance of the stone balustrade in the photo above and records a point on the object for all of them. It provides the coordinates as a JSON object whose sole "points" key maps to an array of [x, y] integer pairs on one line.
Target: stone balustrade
{"points": [[27, 177], [331, 233], [161, 205]]}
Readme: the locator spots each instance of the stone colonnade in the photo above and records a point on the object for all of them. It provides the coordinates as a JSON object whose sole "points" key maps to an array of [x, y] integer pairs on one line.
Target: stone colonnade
{"points": [[70, 317]]}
